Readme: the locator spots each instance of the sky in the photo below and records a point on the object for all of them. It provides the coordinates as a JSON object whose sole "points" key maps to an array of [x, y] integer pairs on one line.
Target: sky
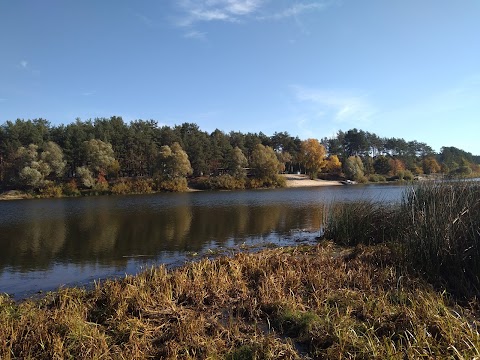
{"points": [[400, 68]]}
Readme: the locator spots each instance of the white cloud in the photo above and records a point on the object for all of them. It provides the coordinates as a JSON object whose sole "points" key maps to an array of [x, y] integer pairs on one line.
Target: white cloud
{"points": [[294, 11], [198, 35], [89, 93], [234, 10], [216, 10], [23, 64], [339, 106]]}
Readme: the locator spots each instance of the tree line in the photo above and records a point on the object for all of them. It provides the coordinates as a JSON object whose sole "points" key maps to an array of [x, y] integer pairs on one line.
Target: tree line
{"points": [[109, 154]]}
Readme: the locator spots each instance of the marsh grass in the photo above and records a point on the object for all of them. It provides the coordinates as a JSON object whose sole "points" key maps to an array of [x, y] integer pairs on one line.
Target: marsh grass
{"points": [[286, 303], [361, 222], [435, 231], [440, 232]]}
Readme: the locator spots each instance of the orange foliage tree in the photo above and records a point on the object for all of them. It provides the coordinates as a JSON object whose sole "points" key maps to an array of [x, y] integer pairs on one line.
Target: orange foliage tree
{"points": [[312, 156]]}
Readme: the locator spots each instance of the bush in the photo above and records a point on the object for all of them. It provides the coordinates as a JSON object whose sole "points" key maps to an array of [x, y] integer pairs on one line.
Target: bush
{"points": [[406, 175], [101, 185], [172, 185], [51, 190], [224, 182], [70, 188], [267, 182], [375, 178], [120, 188], [141, 186]]}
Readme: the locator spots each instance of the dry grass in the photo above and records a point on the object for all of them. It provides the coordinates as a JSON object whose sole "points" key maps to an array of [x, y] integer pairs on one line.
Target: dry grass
{"points": [[317, 302]]}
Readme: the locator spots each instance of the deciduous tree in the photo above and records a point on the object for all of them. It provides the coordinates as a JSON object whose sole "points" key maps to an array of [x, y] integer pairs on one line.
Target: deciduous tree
{"points": [[312, 156], [173, 162], [100, 157], [264, 162], [333, 165], [354, 168], [237, 163]]}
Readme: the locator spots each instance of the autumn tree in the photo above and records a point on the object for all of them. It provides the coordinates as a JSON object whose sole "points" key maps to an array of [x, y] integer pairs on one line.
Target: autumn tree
{"points": [[396, 166], [264, 162], [312, 156], [173, 162], [354, 168], [430, 165], [52, 155], [284, 157], [333, 165], [100, 161], [237, 163], [33, 167], [100, 157]]}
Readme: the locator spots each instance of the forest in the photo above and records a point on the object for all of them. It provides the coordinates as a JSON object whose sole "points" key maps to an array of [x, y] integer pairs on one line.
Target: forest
{"points": [[109, 155]]}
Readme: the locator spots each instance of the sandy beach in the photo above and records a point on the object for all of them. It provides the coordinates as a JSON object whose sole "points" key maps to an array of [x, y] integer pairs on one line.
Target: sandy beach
{"points": [[294, 180]]}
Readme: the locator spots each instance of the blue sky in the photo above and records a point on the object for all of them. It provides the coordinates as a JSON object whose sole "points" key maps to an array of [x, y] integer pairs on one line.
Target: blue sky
{"points": [[399, 68]]}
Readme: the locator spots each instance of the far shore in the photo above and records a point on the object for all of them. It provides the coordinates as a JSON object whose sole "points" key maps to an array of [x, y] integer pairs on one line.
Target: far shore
{"points": [[300, 180], [293, 181]]}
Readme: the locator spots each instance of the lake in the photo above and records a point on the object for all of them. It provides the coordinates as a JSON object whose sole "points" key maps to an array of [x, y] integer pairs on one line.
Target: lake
{"points": [[48, 243]]}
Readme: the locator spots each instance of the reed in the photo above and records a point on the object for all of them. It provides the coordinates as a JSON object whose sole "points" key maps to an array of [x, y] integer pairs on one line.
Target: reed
{"points": [[435, 230], [360, 222], [440, 233]]}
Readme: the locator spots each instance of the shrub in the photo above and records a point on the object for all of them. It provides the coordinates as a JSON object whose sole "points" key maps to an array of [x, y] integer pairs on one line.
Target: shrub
{"points": [[120, 188], [201, 183], [172, 185], [406, 175], [70, 188], [51, 190], [267, 182], [141, 186], [375, 178], [226, 182], [101, 184]]}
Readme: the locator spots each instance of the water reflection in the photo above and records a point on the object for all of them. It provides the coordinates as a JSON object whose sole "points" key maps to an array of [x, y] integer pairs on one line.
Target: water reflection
{"points": [[46, 243]]}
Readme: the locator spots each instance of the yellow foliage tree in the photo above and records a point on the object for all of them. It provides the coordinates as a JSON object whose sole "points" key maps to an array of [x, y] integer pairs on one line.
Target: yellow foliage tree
{"points": [[430, 165], [396, 165], [312, 156], [333, 165]]}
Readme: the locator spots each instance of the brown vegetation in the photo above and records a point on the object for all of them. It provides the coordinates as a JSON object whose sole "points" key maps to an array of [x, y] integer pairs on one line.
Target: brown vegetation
{"points": [[310, 302]]}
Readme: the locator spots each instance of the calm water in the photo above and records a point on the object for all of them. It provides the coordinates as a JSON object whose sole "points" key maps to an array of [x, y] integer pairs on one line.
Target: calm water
{"points": [[60, 242]]}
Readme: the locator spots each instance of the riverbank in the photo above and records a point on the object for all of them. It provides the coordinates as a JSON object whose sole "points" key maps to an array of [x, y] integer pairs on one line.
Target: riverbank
{"points": [[298, 180], [298, 302], [292, 181], [14, 195]]}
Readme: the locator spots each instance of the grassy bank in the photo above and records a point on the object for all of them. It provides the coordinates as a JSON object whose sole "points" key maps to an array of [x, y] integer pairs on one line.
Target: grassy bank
{"points": [[305, 302]]}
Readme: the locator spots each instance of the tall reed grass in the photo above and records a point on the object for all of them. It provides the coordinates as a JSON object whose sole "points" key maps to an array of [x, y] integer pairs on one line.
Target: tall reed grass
{"points": [[440, 233], [361, 222], [435, 229]]}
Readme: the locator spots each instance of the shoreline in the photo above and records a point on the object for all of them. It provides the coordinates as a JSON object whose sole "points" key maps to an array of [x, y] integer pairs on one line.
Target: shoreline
{"points": [[300, 180], [292, 181]]}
